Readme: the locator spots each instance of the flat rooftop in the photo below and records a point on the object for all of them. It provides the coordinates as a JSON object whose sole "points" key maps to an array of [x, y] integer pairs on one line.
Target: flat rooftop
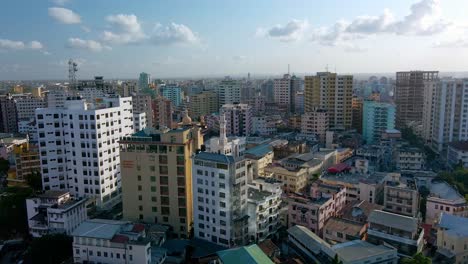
{"points": [[353, 251], [355, 177], [258, 195], [455, 225], [259, 151], [443, 190]]}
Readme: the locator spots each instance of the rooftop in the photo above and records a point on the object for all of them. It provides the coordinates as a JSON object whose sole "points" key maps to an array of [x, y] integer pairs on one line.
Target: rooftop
{"points": [[307, 237], [443, 190], [355, 177], [208, 156], [52, 194], [344, 226], [353, 251], [359, 210], [259, 151], [99, 228], [392, 220], [258, 195], [455, 225], [246, 255]]}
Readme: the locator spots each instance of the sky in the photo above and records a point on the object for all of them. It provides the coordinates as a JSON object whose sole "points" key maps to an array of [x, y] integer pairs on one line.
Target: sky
{"points": [[181, 38]]}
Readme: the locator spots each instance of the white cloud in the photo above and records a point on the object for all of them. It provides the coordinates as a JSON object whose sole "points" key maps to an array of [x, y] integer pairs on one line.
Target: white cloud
{"points": [[371, 24], [239, 58], [459, 43], [91, 45], [86, 29], [11, 44], [63, 15], [173, 34], [36, 45], [128, 28], [291, 31], [6, 44], [61, 2]]}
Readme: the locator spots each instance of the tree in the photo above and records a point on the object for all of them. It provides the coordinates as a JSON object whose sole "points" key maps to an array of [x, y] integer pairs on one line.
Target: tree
{"points": [[51, 249], [418, 258], [35, 181], [4, 165], [336, 260], [13, 216], [422, 205]]}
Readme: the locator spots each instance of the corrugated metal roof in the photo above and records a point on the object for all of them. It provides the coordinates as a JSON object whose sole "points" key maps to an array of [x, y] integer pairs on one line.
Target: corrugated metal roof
{"points": [[392, 220]]}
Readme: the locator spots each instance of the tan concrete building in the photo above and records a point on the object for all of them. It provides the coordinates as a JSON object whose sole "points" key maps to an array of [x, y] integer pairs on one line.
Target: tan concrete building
{"points": [[157, 177], [315, 122], [293, 180], [401, 199], [452, 239], [204, 103], [333, 93], [142, 104]]}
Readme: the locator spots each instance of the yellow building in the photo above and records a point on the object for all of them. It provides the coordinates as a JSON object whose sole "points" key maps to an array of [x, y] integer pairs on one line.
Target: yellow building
{"points": [[333, 93], [293, 180], [204, 103], [156, 173], [37, 91], [18, 89], [27, 162]]}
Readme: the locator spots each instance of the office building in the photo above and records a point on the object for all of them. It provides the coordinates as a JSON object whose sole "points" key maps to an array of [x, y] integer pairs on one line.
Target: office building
{"points": [[8, 115], [110, 241], [173, 93], [377, 118], [450, 119], [204, 103], [26, 104], [79, 147], [144, 81], [55, 212], [238, 119], [157, 176], [331, 92], [229, 91], [315, 122], [409, 95]]}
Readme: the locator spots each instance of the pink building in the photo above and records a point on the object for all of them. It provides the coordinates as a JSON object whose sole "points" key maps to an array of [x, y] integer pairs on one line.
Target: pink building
{"points": [[313, 211], [238, 119]]}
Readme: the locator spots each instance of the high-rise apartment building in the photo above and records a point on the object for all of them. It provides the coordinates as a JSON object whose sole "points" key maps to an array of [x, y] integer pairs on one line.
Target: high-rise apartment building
{"points": [[144, 81], [284, 91], [377, 117], [173, 93], [428, 109], [357, 109], [157, 176], [409, 95], [239, 119], [229, 91], [315, 122], [162, 112], [333, 93], [142, 103], [204, 103], [220, 192], [79, 149], [450, 118], [8, 115], [26, 104]]}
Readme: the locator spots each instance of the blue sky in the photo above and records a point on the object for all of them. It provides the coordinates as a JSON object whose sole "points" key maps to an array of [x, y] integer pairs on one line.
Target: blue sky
{"points": [[176, 38]]}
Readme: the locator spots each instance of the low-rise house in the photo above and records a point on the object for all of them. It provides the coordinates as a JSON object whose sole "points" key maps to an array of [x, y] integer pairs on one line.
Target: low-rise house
{"points": [[259, 156], [110, 241], [55, 212], [452, 238], [444, 199], [402, 232]]}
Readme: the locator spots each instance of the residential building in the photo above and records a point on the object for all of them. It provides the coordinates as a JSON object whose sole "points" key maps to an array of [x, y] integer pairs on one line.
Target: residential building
{"points": [[284, 91], [401, 198], [173, 93], [162, 112], [299, 102], [56, 98], [26, 162], [144, 81], [258, 103], [110, 241], [401, 232], [315, 250], [444, 199], [457, 153], [79, 149], [259, 157], [238, 118], [410, 158], [129, 88], [294, 181], [449, 118], [314, 211], [264, 204], [377, 118], [315, 122], [157, 176], [452, 238], [142, 103], [8, 114], [251, 254], [357, 112], [139, 121], [204, 103], [229, 91], [26, 104], [333, 93], [262, 125], [55, 212], [409, 95], [430, 87]]}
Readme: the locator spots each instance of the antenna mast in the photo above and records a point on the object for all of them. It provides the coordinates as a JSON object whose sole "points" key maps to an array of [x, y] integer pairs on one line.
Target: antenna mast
{"points": [[72, 69]]}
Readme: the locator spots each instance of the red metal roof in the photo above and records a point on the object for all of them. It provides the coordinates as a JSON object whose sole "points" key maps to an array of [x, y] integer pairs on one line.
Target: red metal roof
{"points": [[120, 239], [340, 167], [137, 228]]}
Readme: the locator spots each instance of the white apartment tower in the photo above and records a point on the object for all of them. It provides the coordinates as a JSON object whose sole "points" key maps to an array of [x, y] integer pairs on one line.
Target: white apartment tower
{"points": [[229, 91], [79, 147], [26, 104], [450, 116], [220, 193]]}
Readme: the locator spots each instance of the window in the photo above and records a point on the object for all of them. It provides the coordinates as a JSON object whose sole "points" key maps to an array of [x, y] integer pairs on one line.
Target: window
{"points": [[162, 159]]}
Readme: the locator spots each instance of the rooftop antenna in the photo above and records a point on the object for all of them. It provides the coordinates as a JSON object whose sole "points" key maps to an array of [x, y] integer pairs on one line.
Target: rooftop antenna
{"points": [[288, 68], [72, 69]]}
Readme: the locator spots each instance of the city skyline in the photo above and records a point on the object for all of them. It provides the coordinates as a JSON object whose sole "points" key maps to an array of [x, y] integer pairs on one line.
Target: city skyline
{"points": [[169, 39]]}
